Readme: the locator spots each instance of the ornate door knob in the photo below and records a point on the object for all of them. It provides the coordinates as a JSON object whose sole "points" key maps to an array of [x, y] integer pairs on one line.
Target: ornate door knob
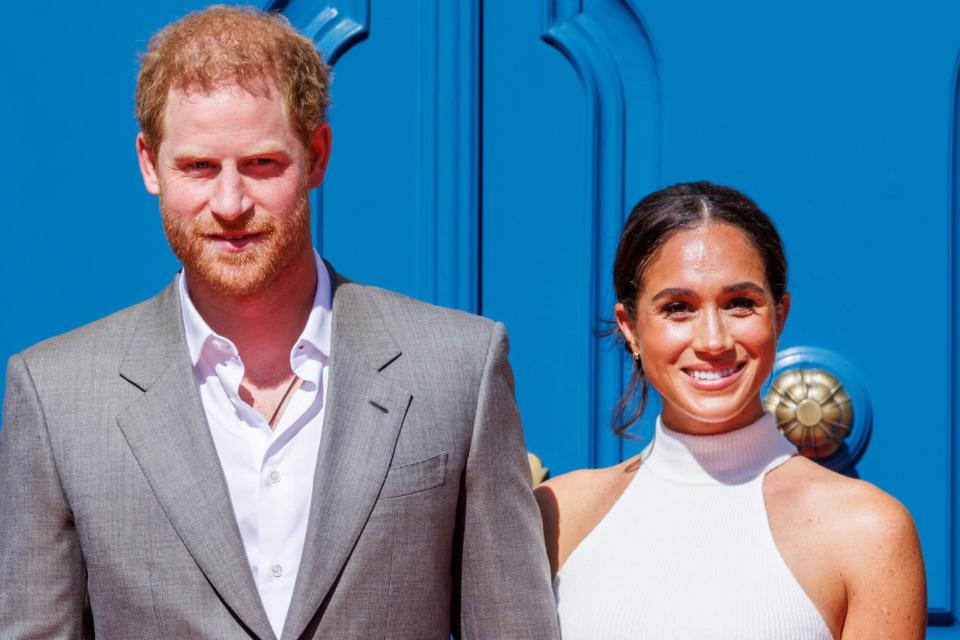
{"points": [[813, 410]]}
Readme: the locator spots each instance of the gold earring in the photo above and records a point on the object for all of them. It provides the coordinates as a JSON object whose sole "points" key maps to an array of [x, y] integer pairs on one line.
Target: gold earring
{"points": [[636, 357]]}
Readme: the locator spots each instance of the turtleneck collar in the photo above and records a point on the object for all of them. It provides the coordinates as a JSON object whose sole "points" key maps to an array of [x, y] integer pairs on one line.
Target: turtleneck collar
{"points": [[734, 457]]}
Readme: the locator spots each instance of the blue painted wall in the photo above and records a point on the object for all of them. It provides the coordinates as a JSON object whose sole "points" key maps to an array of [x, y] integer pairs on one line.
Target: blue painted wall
{"points": [[485, 152], [82, 238]]}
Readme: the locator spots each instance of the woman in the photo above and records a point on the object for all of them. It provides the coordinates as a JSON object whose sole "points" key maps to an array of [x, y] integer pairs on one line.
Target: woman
{"points": [[718, 530]]}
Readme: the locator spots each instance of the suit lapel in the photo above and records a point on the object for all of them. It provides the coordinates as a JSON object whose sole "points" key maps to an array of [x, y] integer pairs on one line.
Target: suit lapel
{"points": [[167, 431], [362, 421]]}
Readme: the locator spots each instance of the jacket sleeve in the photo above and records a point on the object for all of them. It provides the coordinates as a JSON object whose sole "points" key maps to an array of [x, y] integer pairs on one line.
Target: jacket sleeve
{"points": [[505, 589], [42, 577]]}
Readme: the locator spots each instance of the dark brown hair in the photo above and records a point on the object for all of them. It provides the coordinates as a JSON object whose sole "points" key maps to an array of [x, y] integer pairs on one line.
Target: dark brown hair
{"points": [[656, 219]]}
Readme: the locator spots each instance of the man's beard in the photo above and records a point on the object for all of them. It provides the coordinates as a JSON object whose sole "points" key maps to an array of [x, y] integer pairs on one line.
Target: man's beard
{"points": [[243, 273]]}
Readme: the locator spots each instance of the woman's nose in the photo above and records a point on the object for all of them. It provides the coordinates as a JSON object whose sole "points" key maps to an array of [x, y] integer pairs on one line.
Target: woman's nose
{"points": [[712, 335]]}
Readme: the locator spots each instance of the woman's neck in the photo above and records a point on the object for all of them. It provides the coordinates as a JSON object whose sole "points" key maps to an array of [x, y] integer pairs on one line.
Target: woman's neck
{"points": [[683, 422]]}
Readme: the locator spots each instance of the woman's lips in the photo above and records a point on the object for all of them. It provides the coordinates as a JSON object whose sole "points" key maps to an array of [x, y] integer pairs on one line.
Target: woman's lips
{"points": [[713, 378]]}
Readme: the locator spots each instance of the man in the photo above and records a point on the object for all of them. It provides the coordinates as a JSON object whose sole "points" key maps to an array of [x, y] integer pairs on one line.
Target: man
{"points": [[264, 449]]}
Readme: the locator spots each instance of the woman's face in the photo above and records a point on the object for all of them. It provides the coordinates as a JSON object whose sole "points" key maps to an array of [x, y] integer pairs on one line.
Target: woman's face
{"points": [[706, 328]]}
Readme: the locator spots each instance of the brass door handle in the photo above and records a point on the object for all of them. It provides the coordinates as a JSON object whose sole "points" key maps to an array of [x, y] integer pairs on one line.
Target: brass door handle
{"points": [[812, 409], [821, 406]]}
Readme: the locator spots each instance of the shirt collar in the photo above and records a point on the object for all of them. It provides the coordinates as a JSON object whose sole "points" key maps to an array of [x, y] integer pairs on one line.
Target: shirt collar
{"points": [[315, 338]]}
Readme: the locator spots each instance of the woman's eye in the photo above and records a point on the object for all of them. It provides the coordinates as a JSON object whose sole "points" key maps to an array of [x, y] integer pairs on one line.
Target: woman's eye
{"points": [[742, 304], [675, 309]]}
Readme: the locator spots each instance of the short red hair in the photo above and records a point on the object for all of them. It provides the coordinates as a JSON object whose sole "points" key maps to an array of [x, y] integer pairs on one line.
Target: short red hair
{"points": [[232, 45]]}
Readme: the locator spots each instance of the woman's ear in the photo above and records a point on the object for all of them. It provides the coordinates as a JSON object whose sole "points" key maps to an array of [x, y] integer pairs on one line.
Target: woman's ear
{"points": [[783, 310], [627, 327]]}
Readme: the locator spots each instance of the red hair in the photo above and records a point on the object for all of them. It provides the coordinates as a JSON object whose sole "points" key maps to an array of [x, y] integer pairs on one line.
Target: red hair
{"points": [[232, 45]]}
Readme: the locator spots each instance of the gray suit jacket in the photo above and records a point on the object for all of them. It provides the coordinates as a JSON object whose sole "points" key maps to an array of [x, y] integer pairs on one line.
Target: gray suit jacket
{"points": [[115, 517]]}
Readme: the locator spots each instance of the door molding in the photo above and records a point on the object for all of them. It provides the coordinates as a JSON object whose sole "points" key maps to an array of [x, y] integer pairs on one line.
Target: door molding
{"points": [[601, 39]]}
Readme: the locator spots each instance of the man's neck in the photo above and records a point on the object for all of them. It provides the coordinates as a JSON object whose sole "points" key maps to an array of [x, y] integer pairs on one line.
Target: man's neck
{"points": [[263, 326]]}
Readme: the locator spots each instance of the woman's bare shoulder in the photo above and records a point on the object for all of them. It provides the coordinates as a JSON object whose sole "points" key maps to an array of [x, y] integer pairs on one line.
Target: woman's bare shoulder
{"points": [[574, 503], [872, 541], [815, 490]]}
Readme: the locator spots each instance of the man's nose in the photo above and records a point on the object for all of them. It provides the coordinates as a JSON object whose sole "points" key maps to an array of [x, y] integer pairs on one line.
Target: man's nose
{"points": [[712, 334], [230, 199]]}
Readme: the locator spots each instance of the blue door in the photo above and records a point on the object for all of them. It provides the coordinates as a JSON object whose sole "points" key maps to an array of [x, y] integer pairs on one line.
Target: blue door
{"points": [[485, 153]]}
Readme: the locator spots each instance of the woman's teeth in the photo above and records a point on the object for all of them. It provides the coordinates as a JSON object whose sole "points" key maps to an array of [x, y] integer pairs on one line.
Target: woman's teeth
{"points": [[716, 374]]}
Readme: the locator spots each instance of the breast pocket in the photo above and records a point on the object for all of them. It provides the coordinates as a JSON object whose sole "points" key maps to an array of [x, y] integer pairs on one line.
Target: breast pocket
{"points": [[416, 477]]}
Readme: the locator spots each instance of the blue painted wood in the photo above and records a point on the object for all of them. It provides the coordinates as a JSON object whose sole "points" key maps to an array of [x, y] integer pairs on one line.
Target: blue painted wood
{"points": [[946, 611], [536, 238], [600, 39], [449, 154], [402, 187], [334, 29], [567, 140]]}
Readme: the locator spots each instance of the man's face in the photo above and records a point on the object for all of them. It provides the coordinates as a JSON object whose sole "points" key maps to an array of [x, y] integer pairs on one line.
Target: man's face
{"points": [[233, 180]]}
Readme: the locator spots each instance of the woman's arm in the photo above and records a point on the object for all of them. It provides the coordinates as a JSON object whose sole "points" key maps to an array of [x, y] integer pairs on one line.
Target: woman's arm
{"points": [[883, 571]]}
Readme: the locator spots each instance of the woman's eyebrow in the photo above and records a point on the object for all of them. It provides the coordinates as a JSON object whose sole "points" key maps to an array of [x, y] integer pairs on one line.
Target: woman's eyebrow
{"points": [[739, 287], [672, 293], [743, 287]]}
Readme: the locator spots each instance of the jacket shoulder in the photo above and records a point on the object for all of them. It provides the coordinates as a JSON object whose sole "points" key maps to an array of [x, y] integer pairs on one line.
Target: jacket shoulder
{"points": [[103, 339], [409, 318]]}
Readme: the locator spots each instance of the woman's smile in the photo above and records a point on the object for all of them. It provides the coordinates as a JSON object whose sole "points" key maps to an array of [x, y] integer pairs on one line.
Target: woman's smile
{"points": [[713, 378]]}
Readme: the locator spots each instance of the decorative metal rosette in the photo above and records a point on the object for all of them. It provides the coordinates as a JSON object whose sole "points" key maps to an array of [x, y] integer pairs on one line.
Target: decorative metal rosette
{"points": [[820, 406], [812, 409]]}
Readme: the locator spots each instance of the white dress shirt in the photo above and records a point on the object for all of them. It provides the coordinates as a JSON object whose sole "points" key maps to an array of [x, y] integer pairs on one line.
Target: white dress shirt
{"points": [[269, 472]]}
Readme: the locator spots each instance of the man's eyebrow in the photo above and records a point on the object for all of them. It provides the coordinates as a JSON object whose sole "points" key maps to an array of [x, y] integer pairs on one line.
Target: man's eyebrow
{"points": [[186, 155], [743, 287], [265, 150], [673, 292]]}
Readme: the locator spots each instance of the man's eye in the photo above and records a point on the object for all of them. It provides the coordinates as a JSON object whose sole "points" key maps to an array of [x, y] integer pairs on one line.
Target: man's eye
{"points": [[266, 167], [200, 165]]}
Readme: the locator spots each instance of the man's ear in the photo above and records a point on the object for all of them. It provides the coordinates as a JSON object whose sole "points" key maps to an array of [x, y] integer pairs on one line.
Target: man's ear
{"points": [[148, 165], [783, 310], [319, 155]]}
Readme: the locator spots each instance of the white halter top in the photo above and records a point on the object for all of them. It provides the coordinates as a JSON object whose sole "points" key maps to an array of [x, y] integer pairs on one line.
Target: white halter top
{"points": [[686, 552]]}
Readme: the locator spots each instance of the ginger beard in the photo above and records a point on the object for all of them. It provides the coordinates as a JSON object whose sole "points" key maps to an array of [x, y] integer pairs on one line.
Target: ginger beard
{"points": [[238, 274]]}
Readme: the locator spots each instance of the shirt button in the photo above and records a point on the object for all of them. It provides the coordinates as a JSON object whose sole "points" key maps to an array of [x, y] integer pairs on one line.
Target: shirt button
{"points": [[276, 570], [275, 476]]}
